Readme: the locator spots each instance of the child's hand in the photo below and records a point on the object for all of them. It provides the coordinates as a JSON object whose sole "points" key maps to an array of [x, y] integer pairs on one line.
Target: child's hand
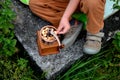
{"points": [[64, 26]]}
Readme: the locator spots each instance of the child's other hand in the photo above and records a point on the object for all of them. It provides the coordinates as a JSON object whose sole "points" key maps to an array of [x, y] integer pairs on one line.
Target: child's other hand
{"points": [[64, 26]]}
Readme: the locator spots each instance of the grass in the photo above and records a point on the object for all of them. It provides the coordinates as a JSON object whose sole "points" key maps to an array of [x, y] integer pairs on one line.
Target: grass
{"points": [[102, 66]]}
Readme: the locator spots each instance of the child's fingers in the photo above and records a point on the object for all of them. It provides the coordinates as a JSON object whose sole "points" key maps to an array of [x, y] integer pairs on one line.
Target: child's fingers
{"points": [[60, 28], [64, 30]]}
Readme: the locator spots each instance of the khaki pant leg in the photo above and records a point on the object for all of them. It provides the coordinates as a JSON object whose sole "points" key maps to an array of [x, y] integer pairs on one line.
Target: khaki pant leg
{"points": [[95, 14], [49, 10]]}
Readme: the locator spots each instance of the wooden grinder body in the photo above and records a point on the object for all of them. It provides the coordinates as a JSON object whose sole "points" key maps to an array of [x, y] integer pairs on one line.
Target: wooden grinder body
{"points": [[46, 49]]}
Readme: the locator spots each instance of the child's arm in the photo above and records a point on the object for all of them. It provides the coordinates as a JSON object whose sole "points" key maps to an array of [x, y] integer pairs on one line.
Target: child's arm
{"points": [[64, 25]]}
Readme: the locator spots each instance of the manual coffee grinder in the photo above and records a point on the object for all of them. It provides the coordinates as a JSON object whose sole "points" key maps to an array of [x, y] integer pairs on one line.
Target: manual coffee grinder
{"points": [[48, 41]]}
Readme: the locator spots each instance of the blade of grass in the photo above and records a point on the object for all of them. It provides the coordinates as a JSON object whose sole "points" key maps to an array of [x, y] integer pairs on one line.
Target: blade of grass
{"points": [[77, 67], [101, 78], [88, 78], [88, 70]]}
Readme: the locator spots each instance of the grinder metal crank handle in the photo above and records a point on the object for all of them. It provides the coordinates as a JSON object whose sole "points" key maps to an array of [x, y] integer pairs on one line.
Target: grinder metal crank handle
{"points": [[55, 35]]}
